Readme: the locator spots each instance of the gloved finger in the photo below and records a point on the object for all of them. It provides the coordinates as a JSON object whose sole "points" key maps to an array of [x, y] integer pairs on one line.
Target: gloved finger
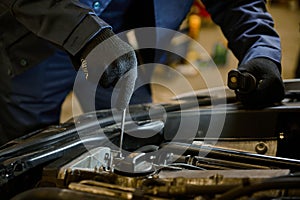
{"points": [[269, 90], [117, 68], [126, 83]]}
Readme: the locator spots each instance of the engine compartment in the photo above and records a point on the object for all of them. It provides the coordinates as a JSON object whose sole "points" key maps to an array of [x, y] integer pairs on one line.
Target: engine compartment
{"points": [[170, 151]]}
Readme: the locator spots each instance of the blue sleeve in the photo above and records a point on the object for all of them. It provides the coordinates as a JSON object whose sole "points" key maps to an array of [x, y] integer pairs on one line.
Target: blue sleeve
{"points": [[248, 27]]}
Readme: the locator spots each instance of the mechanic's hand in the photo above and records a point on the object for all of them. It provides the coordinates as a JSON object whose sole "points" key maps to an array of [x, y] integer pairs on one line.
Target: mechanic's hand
{"points": [[269, 87], [106, 58]]}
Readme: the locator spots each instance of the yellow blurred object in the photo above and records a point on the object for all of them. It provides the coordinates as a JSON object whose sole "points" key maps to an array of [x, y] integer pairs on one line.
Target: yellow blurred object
{"points": [[194, 26]]}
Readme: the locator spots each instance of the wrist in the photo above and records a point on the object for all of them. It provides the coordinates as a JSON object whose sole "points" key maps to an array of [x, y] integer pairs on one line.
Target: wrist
{"points": [[100, 37]]}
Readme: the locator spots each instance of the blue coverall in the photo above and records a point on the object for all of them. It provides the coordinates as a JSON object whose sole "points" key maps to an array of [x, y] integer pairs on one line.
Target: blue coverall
{"points": [[39, 39]]}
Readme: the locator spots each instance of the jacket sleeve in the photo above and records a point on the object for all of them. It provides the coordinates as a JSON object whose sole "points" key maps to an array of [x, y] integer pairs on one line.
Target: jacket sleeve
{"points": [[66, 23], [248, 27]]}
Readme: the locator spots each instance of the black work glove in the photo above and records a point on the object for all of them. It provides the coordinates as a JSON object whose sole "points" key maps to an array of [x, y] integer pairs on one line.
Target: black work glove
{"points": [[107, 58], [269, 86]]}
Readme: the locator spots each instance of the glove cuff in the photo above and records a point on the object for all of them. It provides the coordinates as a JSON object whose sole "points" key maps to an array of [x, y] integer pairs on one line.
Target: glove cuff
{"points": [[81, 55], [260, 62], [100, 37]]}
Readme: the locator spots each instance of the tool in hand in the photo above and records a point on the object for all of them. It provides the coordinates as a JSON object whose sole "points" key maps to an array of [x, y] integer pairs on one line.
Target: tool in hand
{"points": [[122, 131], [242, 82], [126, 82], [127, 87]]}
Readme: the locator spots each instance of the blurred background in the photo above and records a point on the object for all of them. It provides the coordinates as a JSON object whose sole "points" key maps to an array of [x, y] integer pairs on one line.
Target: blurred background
{"points": [[198, 25]]}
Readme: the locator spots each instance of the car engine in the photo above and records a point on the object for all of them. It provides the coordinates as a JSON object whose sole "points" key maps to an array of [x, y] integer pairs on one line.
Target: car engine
{"points": [[179, 150]]}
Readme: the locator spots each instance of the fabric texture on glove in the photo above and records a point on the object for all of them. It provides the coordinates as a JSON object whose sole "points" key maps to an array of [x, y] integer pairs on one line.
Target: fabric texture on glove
{"points": [[108, 58], [270, 88]]}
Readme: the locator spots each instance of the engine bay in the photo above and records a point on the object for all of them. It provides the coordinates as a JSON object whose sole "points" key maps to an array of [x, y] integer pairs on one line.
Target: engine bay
{"points": [[170, 151]]}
